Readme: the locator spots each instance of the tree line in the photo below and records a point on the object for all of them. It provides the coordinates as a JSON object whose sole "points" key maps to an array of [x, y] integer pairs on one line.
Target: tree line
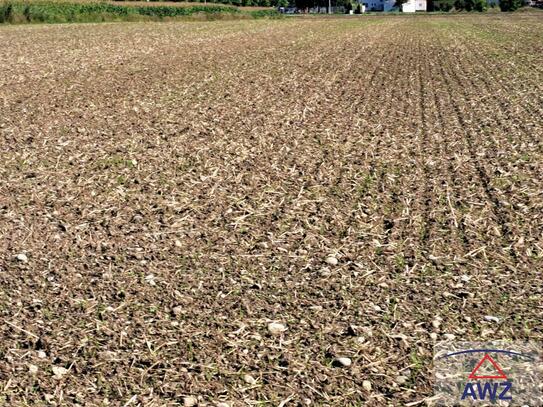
{"points": [[472, 5], [305, 5]]}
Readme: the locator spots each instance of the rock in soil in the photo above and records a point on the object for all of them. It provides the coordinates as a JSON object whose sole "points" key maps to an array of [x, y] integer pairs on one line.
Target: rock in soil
{"points": [[276, 328]]}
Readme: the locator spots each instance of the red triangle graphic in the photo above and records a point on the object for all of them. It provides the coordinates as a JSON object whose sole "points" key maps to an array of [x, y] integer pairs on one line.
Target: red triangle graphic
{"points": [[498, 369]]}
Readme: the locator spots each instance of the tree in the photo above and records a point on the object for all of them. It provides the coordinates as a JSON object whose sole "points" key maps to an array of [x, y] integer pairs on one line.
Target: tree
{"points": [[303, 4], [442, 5], [7, 13], [480, 5], [346, 4], [510, 5], [459, 4], [400, 3]]}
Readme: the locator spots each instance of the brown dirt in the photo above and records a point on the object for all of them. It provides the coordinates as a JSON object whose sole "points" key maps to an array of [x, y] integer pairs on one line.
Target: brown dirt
{"points": [[176, 187]]}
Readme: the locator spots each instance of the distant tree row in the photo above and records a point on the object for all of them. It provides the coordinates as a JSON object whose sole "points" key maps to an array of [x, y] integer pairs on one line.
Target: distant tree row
{"points": [[244, 3], [433, 5], [511, 5], [307, 4], [471, 5], [458, 5]]}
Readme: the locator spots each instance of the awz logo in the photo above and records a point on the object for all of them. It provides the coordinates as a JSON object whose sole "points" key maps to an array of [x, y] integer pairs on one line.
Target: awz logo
{"points": [[499, 372], [487, 391], [487, 381]]}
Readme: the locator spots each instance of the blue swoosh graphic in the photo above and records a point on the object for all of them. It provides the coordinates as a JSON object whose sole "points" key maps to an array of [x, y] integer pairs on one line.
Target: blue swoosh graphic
{"points": [[487, 351]]}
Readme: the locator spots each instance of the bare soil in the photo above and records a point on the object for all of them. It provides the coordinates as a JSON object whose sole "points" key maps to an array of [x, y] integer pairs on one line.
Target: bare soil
{"points": [[169, 190]]}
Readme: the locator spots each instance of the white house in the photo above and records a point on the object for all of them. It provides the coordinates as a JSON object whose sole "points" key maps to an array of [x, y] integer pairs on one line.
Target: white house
{"points": [[388, 5], [413, 6]]}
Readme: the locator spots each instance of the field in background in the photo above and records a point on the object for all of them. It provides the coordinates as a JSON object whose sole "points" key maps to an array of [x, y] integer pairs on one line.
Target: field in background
{"points": [[224, 210]]}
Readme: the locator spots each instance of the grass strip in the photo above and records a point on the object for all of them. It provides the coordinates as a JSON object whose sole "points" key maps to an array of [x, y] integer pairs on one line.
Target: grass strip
{"points": [[20, 12]]}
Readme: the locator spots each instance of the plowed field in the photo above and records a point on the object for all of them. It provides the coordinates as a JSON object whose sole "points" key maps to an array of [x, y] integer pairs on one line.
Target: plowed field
{"points": [[221, 210]]}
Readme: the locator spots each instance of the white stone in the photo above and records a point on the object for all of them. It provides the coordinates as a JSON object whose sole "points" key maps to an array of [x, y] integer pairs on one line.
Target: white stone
{"points": [[366, 385], [33, 369], [22, 257], [190, 401], [331, 260], [325, 272], [276, 328], [401, 380], [150, 279], [59, 372], [249, 379], [344, 362]]}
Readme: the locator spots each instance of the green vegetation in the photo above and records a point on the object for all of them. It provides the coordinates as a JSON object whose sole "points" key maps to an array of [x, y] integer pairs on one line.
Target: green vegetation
{"points": [[511, 5], [307, 4], [59, 12], [473, 5], [470, 5], [244, 3], [457, 5]]}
